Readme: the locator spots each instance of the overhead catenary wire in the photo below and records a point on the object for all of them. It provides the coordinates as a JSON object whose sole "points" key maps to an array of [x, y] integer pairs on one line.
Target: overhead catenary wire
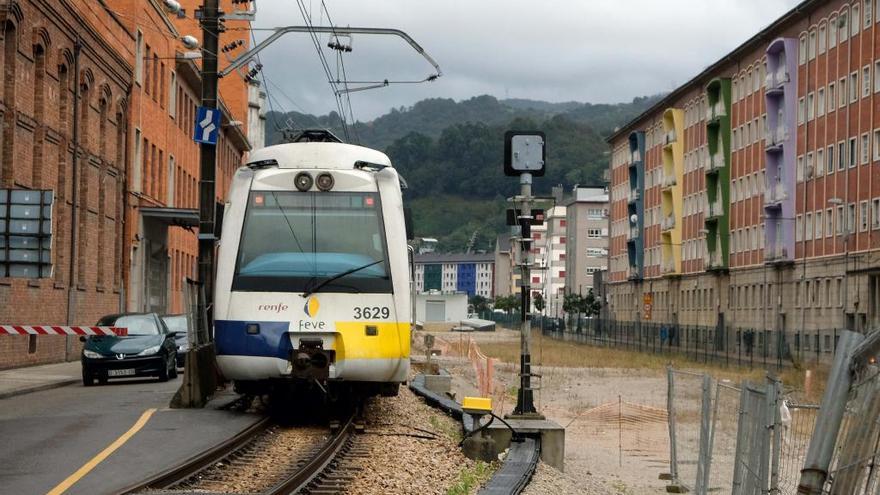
{"points": [[341, 63], [317, 44]]}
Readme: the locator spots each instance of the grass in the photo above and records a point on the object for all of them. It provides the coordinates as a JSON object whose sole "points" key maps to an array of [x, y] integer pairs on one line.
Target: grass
{"points": [[449, 429], [547, 351], [469, 479]]}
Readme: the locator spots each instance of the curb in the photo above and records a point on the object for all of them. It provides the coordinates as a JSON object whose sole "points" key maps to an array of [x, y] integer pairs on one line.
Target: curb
{"points": [[38, 388]]}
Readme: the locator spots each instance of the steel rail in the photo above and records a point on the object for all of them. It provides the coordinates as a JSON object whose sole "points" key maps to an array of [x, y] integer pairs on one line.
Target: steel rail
{"points": [[200, 461], [316, 465]]}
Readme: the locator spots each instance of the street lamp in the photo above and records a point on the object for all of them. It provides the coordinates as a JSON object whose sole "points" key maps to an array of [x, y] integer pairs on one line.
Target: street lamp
{"points": [[846, 233]]}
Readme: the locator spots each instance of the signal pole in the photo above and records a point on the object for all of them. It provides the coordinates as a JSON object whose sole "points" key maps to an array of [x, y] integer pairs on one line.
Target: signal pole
{"points": [[208, 157], [524, 156]]}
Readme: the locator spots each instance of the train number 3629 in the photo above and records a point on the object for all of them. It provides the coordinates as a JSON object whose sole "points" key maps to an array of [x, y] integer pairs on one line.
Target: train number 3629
{"points": [[371, 313]]}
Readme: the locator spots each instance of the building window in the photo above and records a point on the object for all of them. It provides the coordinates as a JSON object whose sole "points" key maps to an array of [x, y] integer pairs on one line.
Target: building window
{"points": [[841, 155], [802, 51], [811, 107], [868, 13], [863, 216], [800, 168], [822, 38], [866, 149], [829, 223], [853, 87], [843, 26], [799, 228], [808, 218], [866, 81], [832, 32], [138, 161], [875, 213], [839, 220], [801, 111], [854, 23], [820, 162], [841, 92], [172, 95], [831, 100], [852, 152], [139, 58], [812, 47], [877, 76], [850, 218], [820, 102], [830, 160], [819, 224]]}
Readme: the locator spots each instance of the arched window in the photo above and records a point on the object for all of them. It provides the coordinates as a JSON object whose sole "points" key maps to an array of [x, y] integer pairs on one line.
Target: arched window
{"points": [[39, 116], [10, 56]]}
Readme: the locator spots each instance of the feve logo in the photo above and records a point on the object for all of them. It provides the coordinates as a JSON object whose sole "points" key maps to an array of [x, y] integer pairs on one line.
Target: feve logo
{"points": [[312, 306]]}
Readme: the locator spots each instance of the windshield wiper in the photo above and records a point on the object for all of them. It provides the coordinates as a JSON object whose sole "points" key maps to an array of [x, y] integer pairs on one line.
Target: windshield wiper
{"points": [[338, 276]]}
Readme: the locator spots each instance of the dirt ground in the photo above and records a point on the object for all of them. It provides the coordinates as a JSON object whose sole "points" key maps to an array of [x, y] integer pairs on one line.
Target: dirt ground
{"points": [[615, 419]]}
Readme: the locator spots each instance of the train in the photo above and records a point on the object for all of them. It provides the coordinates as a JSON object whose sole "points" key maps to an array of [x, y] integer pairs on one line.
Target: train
{"points": [[314, 273]]}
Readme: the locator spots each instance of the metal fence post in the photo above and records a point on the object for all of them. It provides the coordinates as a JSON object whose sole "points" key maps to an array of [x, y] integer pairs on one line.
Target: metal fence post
{"points": [[736, 489], [670, 415], [773, 397], [830, 416], [705, 458]]}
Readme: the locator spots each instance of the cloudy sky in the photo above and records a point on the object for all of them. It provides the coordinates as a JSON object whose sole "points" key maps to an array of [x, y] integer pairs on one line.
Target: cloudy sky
{"points": [[587, 50]]}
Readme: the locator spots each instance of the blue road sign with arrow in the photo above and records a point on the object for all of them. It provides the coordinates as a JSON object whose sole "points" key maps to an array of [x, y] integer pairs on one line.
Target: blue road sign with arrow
{"points": [[207, 125]]}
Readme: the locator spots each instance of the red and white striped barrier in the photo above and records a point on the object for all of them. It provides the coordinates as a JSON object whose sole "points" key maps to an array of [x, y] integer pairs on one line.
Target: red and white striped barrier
{"points": [[56, 330]]}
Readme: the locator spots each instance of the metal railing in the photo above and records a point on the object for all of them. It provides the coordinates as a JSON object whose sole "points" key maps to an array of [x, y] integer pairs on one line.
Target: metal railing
{"points": [[728, 345]]}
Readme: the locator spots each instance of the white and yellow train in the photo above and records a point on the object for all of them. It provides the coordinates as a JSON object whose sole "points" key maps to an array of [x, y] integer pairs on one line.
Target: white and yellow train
{"points": [[313, 271]]}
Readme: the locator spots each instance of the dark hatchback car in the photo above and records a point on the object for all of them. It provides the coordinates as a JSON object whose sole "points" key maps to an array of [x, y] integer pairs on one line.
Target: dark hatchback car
{"points": [[178, 325], [147, 350]]}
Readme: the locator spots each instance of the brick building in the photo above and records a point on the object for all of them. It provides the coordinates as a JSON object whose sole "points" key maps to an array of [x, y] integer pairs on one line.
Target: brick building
{"points": [[64, 99], [105, 79], [749, 197]]}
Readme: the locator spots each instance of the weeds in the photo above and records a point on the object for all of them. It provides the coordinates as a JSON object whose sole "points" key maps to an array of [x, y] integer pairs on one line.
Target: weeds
{"points": [[469, 479]]}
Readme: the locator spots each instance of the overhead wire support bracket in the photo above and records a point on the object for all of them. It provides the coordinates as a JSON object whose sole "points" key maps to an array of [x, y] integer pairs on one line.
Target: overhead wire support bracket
{"points": [[281, 31]]}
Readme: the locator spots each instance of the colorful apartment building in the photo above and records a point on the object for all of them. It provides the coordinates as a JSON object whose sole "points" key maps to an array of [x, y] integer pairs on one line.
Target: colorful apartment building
{"points": [[749, 197], [472, 274]]}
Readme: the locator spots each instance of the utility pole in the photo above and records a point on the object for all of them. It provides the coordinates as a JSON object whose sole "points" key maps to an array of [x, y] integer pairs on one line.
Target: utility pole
{"points": [[208, 159]]}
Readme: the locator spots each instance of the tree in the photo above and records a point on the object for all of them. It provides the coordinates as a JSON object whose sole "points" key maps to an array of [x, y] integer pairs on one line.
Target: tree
{"points": [[479, 303], [507, 303], [538, 300]]}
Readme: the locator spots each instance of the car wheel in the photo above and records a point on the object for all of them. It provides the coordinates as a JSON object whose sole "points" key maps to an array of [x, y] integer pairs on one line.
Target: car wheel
{"points": [[163, 373], [88, 379]]}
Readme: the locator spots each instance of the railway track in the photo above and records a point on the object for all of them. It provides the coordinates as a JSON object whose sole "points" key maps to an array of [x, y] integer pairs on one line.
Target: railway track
{"points": [[253, 462]]}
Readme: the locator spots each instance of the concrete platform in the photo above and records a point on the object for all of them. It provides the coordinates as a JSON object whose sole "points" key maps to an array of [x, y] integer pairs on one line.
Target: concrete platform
{"points": [[552, 437]]}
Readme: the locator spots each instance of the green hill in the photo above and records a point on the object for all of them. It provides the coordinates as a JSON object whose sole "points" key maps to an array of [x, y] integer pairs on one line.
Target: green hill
{"points": [[451, 152]]}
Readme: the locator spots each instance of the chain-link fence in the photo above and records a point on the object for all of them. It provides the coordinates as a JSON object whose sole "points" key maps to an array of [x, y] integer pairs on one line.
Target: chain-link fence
{"points": [[721, 344], [745, 440], [797, 422], [688, 426], [854, 468]]}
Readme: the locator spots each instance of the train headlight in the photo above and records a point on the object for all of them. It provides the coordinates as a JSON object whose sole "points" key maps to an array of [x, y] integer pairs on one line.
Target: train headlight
{"points": [[303, 181], [324, 181]]}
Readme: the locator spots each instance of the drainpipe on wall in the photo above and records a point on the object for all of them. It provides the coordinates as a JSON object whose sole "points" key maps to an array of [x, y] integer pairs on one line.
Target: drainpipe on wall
{"points": [[71, 308]]}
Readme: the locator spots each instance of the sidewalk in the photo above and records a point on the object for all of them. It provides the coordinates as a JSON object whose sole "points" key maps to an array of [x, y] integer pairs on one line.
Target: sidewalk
{"points": [[18, 381]]}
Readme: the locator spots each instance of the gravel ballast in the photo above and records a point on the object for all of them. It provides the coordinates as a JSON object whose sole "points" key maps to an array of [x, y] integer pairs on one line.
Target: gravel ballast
{"points": [[400, 463]]}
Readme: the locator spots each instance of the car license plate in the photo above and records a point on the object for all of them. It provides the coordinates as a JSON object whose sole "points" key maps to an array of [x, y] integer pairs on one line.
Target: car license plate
{"points": [[127, 372]]}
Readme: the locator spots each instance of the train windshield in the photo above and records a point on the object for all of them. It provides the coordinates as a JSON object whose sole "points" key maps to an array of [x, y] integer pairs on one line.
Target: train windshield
{"points": [[295, 241]]}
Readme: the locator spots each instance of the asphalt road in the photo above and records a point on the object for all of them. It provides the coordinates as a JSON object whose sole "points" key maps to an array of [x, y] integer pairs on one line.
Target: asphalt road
{"points": [[47, 436]]}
